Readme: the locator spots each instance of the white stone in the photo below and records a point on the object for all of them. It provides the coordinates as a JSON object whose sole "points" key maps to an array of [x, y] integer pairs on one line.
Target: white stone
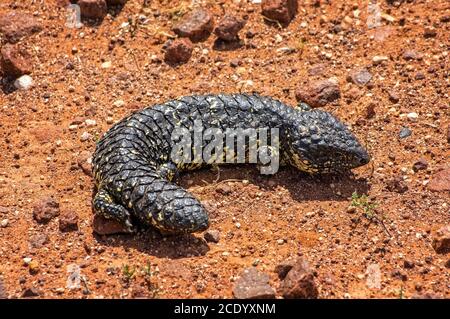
{"points": [[24, 82], [90, 123], [379, 59], [106, 65], [27, 260], [4, 223], [412, 116], [85, 136], [119, 103]]}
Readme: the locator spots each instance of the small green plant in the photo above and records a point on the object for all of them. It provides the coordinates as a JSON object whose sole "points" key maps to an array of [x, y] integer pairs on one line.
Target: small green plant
{"points": [[148, 275], [401, 293], [363, 202], [128, 272]]}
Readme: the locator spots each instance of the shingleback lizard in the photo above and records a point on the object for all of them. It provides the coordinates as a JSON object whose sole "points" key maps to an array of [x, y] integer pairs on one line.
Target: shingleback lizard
{"points": [[132, 162]]}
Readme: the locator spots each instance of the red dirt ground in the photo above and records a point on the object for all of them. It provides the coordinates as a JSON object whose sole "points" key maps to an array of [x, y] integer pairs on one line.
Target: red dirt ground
{"points": [[309, 214]]}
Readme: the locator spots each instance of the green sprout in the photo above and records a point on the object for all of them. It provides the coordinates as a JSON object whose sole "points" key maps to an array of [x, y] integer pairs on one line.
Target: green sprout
{"points": [[128, 272]]}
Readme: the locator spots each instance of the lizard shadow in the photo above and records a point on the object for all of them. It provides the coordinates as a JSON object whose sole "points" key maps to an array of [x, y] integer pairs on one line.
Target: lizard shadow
{"points": [[301, 186], [151, 242]]}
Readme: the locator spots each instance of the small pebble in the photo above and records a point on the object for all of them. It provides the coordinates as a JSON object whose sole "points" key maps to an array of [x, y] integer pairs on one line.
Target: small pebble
{"points": [[25, 82], [106, 65], [85, 136], [4, 223], [405, 132], [90, 123]]}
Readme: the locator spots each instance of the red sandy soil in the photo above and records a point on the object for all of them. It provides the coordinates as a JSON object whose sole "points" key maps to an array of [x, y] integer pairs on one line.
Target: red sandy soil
{"points": [[262, 220]]}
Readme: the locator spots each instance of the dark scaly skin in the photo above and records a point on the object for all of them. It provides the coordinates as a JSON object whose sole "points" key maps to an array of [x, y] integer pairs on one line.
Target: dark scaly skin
{"points": [[133, 169]]}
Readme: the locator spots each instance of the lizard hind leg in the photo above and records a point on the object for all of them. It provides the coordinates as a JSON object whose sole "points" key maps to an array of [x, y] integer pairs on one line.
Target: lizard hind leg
{"points": [[105, 206]]}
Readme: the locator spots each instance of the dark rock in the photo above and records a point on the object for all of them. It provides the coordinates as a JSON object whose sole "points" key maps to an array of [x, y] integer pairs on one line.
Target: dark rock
{"points": [[419, 76], [394, 97], [45, 210], [399, 274], [253, 284], [319, 93], [284, 267], [370, 110], [441, 240], [38, 240], [228, 28], [408, 264], [421, 164], [103, 226], [212, 236], [397, 184], [196, 25], [448, 134], [412, 55], [440, 182], [68, 221], [15, 61], [404, 132], [299, 282], [30, 292], [360, 77], [282, 11], [178, 51], [16, 25], [429, 32], [224, 189], [447, 264], [93, 9]]}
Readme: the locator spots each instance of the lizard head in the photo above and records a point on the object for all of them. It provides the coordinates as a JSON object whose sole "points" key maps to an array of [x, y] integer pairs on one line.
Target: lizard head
{"points": [[319, 143]]}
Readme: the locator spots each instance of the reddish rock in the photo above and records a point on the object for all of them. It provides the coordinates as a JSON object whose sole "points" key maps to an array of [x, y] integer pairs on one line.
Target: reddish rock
{"points": [[359, 77], [282, 11], [397, 184], [103, 226], [299, 282], [30, 292], [84, 162], [178, 51], [68, 221], [393, 97], [45, 210], [14, 61], [212, 236], [228, 28], [412, 55], [16, 25], [441, 240], [253, 284], [319, 93], [440, 182], [421, 164], [283, 268], [39, 240], [93, 9], [224, 189], [196, 25]]}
